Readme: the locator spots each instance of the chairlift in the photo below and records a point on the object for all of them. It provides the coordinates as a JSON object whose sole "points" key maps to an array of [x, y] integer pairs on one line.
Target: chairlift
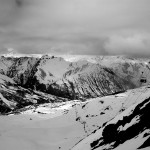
{"points": [[143, 79]]}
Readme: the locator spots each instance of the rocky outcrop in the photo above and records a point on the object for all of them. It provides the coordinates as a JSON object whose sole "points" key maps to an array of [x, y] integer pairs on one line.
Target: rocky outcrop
{"points": [[21, 69], [14, 97]]}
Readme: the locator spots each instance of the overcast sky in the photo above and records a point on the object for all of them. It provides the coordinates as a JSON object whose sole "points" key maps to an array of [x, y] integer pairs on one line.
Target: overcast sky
{"points": [[104, 27]]}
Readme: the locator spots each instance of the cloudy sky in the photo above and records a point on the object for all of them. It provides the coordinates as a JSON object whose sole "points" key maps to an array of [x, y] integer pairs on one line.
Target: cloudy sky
{"points": [[99, 27]]}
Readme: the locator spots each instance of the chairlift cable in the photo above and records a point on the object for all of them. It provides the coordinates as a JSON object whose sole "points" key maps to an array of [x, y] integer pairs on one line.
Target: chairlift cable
{"points": [[141, 91]]}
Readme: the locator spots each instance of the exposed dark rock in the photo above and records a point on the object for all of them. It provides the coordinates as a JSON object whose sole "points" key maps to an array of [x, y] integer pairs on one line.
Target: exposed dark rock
{"points": [[145, 144], [115, 136]]}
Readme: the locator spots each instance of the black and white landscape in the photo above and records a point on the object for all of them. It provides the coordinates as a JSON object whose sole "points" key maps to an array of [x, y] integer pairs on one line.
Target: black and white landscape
{"points": [[74, 75]]}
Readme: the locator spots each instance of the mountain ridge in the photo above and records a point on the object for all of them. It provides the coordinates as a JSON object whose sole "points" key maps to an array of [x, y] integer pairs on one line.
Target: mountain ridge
{"points": [[80, 79]]}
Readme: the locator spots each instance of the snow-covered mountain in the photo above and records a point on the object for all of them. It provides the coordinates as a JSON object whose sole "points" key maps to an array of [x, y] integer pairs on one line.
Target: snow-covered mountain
{"points": [[78, 78]]}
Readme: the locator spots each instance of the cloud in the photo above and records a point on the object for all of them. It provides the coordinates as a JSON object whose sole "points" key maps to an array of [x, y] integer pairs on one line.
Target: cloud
{"points": [[75, 26], [136, 45], [10, 49], [64, 44]]}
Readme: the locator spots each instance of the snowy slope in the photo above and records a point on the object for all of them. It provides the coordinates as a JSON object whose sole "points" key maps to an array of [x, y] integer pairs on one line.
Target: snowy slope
{"points": [[81, 125], [50, 69], [128, 130]]}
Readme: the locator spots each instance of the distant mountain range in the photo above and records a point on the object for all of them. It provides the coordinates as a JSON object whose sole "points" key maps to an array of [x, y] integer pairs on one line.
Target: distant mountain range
{"points": [[81, 78]]}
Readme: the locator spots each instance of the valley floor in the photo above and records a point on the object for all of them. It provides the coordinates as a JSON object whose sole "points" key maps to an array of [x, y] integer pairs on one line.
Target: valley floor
{"points": [[35, 131]]}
